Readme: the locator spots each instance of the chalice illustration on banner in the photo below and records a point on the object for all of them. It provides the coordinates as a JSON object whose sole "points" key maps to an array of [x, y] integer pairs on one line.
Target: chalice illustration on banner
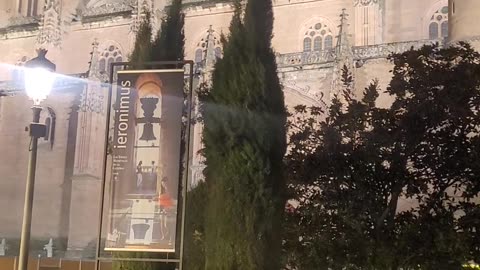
{"points": [[148, 148]]}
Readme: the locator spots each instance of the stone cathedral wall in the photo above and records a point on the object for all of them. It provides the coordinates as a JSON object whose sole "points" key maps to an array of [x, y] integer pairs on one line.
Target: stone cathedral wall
{"points": [[66, 197], [51, 192]]}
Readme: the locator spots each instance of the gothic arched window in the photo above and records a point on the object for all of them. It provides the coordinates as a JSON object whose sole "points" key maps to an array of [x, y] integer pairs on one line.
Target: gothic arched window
{"points": [[438, 26], [433, 30], [200, 51], [321, 35], [444, 29], [110, 55]]}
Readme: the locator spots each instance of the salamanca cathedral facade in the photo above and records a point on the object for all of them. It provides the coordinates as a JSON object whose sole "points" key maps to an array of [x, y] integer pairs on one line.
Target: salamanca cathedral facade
{"points": [[313, 40]]}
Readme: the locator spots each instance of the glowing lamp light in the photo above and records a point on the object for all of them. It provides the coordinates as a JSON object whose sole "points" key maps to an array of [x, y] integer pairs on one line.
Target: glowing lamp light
{"points": [[38, 84], [39, 77]]}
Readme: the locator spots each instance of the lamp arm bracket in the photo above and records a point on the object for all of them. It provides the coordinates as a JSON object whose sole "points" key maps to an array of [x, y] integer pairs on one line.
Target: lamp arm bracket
{"points": [[37, 130]]}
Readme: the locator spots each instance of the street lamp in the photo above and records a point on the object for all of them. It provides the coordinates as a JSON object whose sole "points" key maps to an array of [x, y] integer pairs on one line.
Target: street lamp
{"points": [[39, 79]]}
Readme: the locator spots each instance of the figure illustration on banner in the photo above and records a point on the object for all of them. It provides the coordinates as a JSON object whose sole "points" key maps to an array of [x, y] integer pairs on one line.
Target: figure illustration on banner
{"points": [[139, 176], [165, 203]]}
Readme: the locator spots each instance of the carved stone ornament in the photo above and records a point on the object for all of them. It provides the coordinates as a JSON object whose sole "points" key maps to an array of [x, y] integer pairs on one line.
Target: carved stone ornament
{"points": [[92, 99], [305, 58], [365, 2], [139, 10], [384, 50], [22, 20], [50, 25], [96, 8], [359, 53]]}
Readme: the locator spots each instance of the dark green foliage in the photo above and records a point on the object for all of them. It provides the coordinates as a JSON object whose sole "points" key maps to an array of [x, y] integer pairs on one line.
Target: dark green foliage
{"points": [[143, 43], [140, 55], [195, 228], [390, 188], [170, 41], [129, 265], [169, 45], [244, 138]]}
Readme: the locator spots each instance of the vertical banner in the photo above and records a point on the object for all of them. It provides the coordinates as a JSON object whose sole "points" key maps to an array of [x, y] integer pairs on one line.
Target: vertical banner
{"points": [[146, 145]]}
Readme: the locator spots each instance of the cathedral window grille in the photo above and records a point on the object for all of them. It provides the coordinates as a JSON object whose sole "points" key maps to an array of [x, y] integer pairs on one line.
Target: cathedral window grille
{"points": [[108, 56], [317, 44], [444, 29], [328, 42], [28, 8], [307, 44], [433, 30], [438, 26], [321, 35]]}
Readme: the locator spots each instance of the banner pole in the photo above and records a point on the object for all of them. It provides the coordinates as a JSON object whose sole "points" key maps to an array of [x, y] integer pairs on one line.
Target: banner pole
{"points": [[187, 163], [105, 161]]}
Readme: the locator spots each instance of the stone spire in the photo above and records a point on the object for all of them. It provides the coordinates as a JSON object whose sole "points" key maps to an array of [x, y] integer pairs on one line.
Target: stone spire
{"points": [[343, 47], [205, 71], [343, 55], [140, 8], [210, 57], [93, 68], [50, 33], [92, 97]]}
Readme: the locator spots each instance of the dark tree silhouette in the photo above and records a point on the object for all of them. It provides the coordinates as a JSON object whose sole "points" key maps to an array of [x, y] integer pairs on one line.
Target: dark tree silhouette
{"points": [[168, 45], [397, 187], [244, 138]]}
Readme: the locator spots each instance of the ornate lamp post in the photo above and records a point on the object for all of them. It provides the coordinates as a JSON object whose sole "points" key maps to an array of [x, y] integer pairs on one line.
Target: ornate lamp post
{"points": [[39, 79]]}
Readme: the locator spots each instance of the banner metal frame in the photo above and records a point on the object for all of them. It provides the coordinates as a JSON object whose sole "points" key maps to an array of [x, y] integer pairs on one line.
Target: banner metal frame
{"points": [[183, 183]]}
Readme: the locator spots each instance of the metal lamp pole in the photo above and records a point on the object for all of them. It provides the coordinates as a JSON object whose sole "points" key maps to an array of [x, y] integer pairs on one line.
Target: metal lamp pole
{"points": [[38, 84], [36, 131]]}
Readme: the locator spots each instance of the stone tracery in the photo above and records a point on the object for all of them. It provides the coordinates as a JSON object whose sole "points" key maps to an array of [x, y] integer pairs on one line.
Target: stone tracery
{"points": [[364, 2], [318, 37], [438, 26], [51, 25], [202, 46], [110, 55]]}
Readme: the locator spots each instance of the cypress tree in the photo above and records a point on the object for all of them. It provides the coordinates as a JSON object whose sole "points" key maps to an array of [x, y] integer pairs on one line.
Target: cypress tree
{"points": [[244, 136], [170, 41], [143, 43], [194, 255], [259, 22], [140, 55], [167, 46]]}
